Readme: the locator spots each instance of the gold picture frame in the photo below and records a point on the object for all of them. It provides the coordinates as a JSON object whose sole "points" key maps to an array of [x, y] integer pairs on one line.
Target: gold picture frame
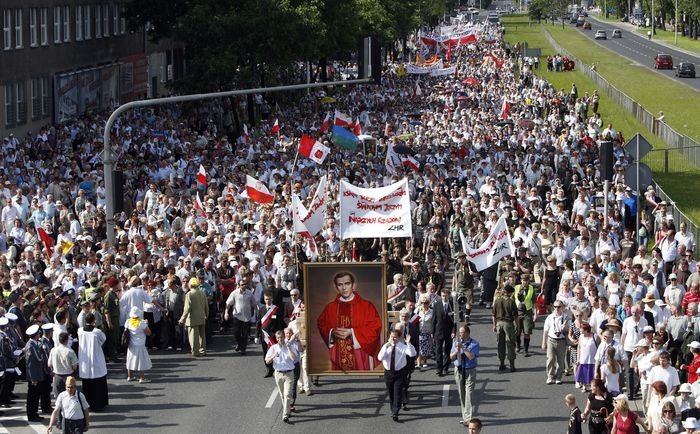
{"points": [[325, 310]]}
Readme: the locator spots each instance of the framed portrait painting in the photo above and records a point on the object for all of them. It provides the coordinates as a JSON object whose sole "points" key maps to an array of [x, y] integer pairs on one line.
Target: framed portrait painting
{"points": [[346, 318]]}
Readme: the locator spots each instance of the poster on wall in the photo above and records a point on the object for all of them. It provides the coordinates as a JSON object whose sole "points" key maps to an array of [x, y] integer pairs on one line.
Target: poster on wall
{"points": [[66, 97], [110, 87], [133, 77], [89, 91], [346, 317]]}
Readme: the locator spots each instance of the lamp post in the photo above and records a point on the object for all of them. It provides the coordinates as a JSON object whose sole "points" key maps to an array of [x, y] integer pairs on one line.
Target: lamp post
{"points": [[675, 26]]}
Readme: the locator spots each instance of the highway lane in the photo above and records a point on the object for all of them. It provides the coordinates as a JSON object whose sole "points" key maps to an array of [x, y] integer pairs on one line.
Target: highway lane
{"points": [[640, 50]]}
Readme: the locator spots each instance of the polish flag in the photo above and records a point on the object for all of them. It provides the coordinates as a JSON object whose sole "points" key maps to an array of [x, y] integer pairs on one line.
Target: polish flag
{"points": [[257, 191], [357, 127], [275, 128], [199, 206], [45, 238], [387, 130], [411, 162], [202, 175], [268, 339], [326, 125], [246, 136], [505, 109], [341, 119], [415, 319]]}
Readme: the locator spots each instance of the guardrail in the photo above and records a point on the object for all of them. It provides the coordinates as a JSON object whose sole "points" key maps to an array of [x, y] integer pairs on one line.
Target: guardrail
{"points": [[680, 143]]}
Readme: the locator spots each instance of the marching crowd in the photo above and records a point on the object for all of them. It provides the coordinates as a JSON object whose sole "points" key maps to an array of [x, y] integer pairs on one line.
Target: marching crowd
{"points": [[618, 317]]}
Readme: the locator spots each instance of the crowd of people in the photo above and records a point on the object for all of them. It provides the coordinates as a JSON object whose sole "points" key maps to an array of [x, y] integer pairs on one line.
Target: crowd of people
{"points": [[178, 274]]}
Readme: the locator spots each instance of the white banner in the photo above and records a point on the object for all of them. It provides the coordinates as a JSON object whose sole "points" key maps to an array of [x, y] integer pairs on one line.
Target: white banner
{"points": [[498, 245], [375, 212], [416, 69], [443, 71], [310, 220]]}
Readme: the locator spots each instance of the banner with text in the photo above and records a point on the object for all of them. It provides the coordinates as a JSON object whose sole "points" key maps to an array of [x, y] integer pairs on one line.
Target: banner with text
{"points": [[311, 219], [375, 212], [498, 245]]}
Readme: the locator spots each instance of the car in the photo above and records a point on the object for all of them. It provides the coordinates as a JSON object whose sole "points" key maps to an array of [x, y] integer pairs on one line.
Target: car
{"points": [[685, 69], [586, 26], [617, 33], [601, 34], [580, 21], [663, 61]]}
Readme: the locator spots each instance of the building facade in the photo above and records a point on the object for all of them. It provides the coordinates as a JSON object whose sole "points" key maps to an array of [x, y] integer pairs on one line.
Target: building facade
{"points": [[60, 59]]}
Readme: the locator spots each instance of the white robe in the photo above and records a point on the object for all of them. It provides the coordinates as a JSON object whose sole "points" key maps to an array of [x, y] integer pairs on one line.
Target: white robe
{"points": [[135, 296], [91, 359]]}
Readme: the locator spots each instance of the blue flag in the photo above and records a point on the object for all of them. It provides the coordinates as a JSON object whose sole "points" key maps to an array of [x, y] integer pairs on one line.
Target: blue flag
{"points": [[344, 138]]}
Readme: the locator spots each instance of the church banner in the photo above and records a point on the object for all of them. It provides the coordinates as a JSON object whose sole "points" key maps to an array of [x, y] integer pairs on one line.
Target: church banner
{"points": [[498, 245], [375, 212], [346, 317]]}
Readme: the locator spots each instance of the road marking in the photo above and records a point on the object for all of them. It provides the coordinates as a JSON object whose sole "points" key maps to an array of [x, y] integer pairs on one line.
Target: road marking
{"points": [[4, 430], [445, 395], [272, 398], [38, 428]]}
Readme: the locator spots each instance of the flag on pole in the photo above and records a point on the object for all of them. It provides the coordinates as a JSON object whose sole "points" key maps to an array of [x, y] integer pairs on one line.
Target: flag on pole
{"points": [[202, 175], [268, 339], [392, 161], [66, 247], [357, 127], [387, 130], [199, 206], [45, 238], [344, 138], [275, 128], [342, 120], [313, 149], [505, 109], [257, 191], [409, 161], [306, 143], [246, 136], [326, 125]]}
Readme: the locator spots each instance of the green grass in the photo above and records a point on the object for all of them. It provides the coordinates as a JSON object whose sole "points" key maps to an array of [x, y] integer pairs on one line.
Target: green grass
{"points": [[682, 177], [692, 45]]}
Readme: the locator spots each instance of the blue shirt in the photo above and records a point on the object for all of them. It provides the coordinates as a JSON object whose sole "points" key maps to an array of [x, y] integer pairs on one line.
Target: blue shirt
{"points": [[471, 346]]}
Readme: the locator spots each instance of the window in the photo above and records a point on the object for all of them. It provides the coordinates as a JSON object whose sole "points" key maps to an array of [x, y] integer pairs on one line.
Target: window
{"points": [[98, 22], [9, 104], [66, 24], [18, 28], [57, 25], [7, 29], [44, 26], [78, 23], [122, 20], [105, 21], [115, 19], [87, 22], [33, 30], [36, 98], [21, 104], [45, 99]]}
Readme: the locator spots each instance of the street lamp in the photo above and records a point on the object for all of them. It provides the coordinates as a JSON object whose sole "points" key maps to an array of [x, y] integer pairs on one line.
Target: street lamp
{"points": [[675, 26]]}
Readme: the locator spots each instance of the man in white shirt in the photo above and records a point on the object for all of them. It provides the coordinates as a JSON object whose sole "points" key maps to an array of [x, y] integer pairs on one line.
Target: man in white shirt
{"points": [[283, 355], [609, 341], [556, 328], [666, 373], [632, 331], [393, 357]]}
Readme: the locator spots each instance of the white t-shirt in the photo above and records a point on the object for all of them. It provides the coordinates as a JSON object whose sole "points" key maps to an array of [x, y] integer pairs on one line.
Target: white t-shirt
{"points": [[668, 375], [69, 405], [612, 380]]}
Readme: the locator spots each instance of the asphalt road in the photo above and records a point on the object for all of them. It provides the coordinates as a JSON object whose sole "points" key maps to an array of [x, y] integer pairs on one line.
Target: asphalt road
{"points": [[640, 50], [225, 393]]}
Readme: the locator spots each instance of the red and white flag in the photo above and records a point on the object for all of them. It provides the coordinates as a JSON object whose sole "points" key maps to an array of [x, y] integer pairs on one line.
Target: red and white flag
{"points": [[387, 130], [202, 175], [199, 206], [257, 191], [415, 319], [275, 128], [269, 340], [357, 127], [505, 109], [326, 125], [313, 149], [341, 119], [45, 238], [246, 136], [409, 161]]}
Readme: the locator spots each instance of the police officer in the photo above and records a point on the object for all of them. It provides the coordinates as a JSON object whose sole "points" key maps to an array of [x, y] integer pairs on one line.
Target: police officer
{"points": [[525, 300], [463, 283], [505, 312]]}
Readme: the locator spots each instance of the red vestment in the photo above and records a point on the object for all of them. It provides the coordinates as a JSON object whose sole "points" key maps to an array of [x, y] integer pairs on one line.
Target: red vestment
{"points": [[361, 316]]}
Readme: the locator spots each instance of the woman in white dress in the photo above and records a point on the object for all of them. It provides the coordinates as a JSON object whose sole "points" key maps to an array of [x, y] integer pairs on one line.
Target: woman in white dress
{"points": [[137, 358], [92, 364]]}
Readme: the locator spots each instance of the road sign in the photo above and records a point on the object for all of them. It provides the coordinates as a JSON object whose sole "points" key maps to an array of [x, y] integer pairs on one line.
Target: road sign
{"points": [[645, 178], [631, 147]]}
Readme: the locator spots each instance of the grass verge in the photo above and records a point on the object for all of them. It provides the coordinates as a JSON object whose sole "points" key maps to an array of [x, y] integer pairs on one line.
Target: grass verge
{"points": [[682, 177]]}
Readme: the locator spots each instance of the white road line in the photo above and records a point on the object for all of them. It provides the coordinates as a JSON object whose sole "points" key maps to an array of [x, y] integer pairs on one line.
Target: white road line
{"points": [[38, 428], [4, 430], [272, 398], [445, 395]]}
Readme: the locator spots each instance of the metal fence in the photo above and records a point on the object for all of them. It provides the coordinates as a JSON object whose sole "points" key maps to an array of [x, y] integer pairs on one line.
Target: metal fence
{"points": [[683, 150]]}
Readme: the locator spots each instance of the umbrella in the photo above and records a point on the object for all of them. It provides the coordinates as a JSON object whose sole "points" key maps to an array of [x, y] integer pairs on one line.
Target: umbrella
{"points": [[327, 100], [403, 149], [405, 136], [526, 123], [470, 81]]}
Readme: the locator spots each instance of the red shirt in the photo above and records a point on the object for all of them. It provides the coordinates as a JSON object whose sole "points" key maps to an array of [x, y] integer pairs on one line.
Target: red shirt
{"points": [[692, 369], [625, 426], [689, 297]]}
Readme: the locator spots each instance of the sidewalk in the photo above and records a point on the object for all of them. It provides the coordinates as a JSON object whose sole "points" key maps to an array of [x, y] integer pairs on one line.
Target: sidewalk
{"points": [[632, 30]]}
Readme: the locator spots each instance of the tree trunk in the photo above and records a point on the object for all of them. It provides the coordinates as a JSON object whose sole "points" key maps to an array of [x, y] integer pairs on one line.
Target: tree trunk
{"points": [[251, 109], [322, 69], [236, 120]]}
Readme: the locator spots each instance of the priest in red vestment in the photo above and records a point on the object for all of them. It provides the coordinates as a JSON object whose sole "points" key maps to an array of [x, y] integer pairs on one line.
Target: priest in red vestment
{"points": [[351, 328]]}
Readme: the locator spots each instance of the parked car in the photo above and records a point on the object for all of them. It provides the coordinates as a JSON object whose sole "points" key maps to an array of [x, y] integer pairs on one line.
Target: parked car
{"points": [[580, 21], [617, 33], [685, 69], [586, 26], [601, 34], [663, 61]]}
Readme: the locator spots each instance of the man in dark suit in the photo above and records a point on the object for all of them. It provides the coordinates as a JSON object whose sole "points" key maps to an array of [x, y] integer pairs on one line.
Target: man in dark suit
{"points": [[443, 331], [270, 320], [410, 330]]}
